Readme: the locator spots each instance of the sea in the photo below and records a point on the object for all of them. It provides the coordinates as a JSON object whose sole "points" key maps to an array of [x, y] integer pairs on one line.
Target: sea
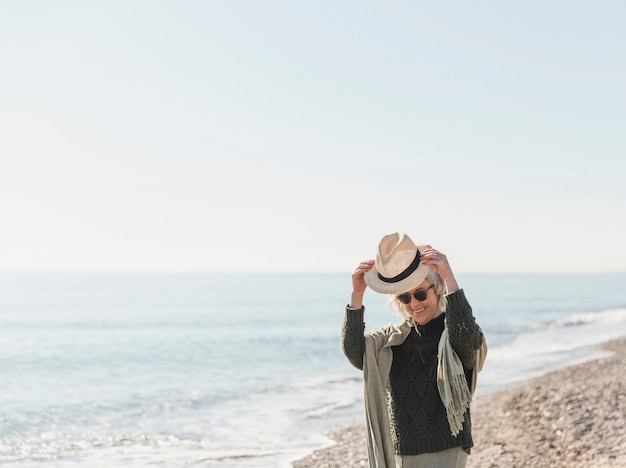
{"points": [[239, 370]]}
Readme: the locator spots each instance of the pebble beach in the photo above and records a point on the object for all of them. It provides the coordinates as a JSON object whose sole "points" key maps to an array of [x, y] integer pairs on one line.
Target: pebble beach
{"points": [[572, 417]]}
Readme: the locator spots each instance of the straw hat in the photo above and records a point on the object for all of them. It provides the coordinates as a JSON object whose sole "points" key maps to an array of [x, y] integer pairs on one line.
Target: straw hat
{"points": [[397, 268]]}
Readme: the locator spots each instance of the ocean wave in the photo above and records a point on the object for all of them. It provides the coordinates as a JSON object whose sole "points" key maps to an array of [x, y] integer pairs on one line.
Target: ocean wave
{"points": [[56, 445], [326, 409], [238, 456], [573, 332], [608, 316], [322, 381], [548, 347]]}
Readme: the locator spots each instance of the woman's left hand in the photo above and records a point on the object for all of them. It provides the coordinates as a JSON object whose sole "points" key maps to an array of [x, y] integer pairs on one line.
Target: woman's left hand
{"points": [[439, 262]]}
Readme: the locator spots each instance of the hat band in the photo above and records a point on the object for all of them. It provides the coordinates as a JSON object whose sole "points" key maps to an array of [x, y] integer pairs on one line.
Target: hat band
{"points": [[405, 274]]}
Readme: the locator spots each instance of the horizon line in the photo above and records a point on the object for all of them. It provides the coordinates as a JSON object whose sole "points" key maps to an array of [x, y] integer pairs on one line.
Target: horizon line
{"points": [[276, 272]]}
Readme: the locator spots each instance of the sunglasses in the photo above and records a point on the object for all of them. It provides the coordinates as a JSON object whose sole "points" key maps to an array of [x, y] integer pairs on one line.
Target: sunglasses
{"points": [[419, 295]]}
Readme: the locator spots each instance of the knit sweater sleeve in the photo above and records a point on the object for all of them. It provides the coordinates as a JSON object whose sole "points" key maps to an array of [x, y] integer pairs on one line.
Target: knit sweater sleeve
{"points": [[465, 334], [352, 336]]}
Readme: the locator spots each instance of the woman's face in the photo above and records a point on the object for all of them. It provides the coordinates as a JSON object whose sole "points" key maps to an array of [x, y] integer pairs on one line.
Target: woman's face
{"points": [[426, 310]]}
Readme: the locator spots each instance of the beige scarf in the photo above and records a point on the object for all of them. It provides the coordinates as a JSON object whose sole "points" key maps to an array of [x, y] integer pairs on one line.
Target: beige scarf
{"points": [[451, 382]]}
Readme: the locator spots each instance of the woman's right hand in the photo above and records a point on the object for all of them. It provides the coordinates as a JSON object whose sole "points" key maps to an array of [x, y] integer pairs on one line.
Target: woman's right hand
{"points": [[358, 283]]}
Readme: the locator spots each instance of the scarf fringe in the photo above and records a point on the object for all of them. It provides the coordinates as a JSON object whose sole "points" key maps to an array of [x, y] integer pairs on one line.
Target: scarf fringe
{"points": [[457, 405]]}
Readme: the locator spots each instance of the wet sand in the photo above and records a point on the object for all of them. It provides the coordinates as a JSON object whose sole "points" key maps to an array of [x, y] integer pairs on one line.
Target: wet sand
{"points": [[573, 417]]}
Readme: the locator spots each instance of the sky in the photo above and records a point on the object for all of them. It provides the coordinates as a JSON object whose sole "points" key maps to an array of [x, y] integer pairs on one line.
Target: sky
{"points": [[290, 136]]}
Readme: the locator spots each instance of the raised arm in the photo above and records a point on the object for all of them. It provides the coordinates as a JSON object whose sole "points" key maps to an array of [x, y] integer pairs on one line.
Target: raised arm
{"points": [[358, 283], [465, 334], [352, 338]]}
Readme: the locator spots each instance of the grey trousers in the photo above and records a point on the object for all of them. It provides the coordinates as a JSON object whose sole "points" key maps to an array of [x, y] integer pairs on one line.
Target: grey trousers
{"points": [[451, 458]]}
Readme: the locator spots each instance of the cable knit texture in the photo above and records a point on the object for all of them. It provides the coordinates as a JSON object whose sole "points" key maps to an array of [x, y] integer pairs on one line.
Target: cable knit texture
{"points": [[418, 418]]}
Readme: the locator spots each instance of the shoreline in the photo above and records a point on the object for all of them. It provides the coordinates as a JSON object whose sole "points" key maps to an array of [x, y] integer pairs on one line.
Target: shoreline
{"points": [[570, 417]]}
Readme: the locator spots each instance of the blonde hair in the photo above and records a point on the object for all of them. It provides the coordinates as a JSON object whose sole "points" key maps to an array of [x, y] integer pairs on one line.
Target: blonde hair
{"points": [[432, 278]]}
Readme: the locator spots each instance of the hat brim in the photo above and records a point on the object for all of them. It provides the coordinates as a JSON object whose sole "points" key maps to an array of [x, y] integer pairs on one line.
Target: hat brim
{"points": [[407, 284]]}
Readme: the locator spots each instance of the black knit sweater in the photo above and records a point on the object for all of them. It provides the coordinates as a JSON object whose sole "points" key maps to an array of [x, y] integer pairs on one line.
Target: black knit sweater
{"points": [[418, 417]]}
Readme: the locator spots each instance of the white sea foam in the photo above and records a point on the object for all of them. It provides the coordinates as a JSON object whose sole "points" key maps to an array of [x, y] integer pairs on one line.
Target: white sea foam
{"points": [[605, 317]]}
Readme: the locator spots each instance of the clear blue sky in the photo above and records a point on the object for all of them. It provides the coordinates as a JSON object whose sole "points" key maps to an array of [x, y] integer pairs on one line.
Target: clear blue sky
{"points": [[291, 136]]}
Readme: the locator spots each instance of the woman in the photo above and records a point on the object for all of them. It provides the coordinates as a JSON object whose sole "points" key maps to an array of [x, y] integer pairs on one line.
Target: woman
{"points": [[419, 375]]}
